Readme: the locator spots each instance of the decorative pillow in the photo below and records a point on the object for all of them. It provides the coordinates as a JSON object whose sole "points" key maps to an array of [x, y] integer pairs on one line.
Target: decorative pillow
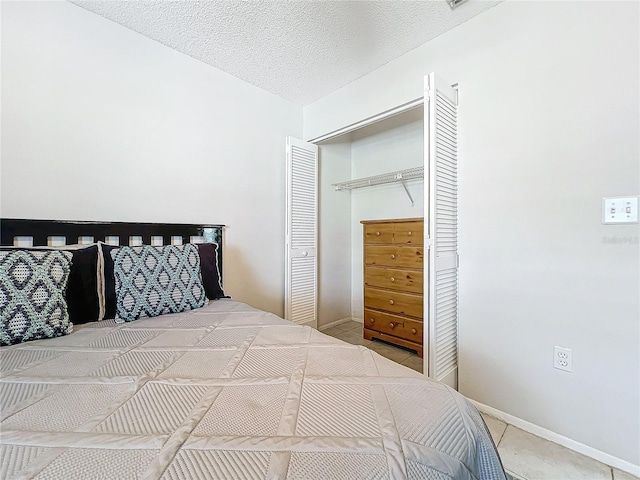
{"points": [[109, 281], [151, 281], [32, 288], [84, 288], [210, 270]]}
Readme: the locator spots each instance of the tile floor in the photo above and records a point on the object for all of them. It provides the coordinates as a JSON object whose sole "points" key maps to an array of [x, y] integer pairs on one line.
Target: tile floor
{"points": [[351, 332], [524, 456]]}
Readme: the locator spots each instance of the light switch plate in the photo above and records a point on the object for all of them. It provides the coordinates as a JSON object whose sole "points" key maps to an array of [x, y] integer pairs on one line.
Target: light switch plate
{"points": [[617, 210]]}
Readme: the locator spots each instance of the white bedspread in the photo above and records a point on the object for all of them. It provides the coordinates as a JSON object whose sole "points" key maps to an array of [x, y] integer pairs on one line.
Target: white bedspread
{"points": [[228, 391]]}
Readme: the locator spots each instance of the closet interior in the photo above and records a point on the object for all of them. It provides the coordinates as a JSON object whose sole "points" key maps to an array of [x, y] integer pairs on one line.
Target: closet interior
{"points": [[389, 146]]}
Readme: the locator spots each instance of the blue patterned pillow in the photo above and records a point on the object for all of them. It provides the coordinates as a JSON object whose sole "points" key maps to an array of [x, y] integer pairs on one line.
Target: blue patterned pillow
{"points": [[32, 289], [152, 281]]}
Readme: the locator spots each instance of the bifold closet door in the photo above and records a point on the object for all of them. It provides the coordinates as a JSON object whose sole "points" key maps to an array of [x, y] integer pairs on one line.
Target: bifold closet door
{"points": [[301, 236], [441, 235]]}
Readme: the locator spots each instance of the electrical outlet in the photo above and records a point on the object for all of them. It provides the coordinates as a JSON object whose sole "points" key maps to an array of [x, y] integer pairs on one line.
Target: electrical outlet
{"points": [[562, 358]]}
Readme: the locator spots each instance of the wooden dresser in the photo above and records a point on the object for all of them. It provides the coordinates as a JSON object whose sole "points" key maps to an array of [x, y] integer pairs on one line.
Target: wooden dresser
{"points": [[393, 279]]}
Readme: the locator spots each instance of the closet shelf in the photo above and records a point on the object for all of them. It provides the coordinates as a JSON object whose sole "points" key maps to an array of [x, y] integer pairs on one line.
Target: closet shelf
{"points": [[399, 176], [391, 177]]}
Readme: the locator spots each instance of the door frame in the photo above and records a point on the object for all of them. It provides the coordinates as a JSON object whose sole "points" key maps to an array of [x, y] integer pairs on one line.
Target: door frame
{"points": [[415, 103]]}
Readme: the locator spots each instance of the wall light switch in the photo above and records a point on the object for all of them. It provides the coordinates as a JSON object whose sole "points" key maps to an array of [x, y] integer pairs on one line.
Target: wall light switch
{"points": [[619, 210]]}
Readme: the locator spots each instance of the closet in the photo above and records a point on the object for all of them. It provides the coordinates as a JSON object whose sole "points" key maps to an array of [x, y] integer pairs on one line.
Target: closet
{"points": [[420, 137]]}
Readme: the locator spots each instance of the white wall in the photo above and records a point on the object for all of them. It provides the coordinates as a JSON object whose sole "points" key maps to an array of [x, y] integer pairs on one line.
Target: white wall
{"points": [[549, 124], [101, 123], [393, 144], [334, 212]]}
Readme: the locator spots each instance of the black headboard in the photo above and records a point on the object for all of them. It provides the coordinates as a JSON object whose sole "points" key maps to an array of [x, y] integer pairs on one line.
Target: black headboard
{"points": [[41, 230]]}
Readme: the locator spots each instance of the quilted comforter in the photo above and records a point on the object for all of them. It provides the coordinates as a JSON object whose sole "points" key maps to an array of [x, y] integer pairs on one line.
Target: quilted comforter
{"points": [[228, 391]]}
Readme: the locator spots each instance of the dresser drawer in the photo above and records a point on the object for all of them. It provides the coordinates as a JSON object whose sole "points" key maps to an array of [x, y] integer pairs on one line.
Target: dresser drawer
{"points": [[395, 325], [394, 256], [405, 280], [409, 233], [413, 330], [384, 322], [378, 233], [394, 302]]}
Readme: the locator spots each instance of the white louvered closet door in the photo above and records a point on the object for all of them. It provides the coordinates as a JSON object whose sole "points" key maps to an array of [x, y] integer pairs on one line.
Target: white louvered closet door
{"points": [[301, 234], [441, 308]]}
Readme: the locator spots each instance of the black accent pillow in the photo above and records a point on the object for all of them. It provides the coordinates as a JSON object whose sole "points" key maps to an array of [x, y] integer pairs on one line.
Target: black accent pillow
{"points": [[109, 281], [210, 270], [82, 298], [82, 290]]}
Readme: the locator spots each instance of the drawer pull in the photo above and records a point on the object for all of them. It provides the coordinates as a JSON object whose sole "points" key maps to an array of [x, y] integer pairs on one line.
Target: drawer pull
{"points": [[393, 255], [377, 234], [410, 233], [391, 302], [392, 279], [392, 325], [414, 331], [372, 320]]}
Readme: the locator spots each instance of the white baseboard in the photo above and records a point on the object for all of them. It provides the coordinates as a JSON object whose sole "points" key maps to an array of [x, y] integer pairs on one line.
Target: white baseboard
{"points": [[560, 440], [339, 322]]}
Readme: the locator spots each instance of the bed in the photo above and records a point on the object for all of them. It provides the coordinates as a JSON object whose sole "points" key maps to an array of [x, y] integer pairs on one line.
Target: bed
{"points": [[225, 391]]}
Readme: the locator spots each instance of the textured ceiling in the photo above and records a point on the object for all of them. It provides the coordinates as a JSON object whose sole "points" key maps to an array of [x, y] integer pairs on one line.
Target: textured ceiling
{"points": [[299, 50]]}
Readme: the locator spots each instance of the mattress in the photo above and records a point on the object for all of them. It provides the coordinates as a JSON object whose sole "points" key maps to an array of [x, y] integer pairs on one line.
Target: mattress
{"points": [[228, 391]]}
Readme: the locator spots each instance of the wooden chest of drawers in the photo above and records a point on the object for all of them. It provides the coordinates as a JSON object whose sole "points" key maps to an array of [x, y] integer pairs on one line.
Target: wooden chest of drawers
{"points": [[393, 281]]}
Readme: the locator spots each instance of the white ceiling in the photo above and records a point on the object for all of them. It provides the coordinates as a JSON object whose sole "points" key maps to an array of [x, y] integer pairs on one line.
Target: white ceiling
{"points": [[300, 50]]}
